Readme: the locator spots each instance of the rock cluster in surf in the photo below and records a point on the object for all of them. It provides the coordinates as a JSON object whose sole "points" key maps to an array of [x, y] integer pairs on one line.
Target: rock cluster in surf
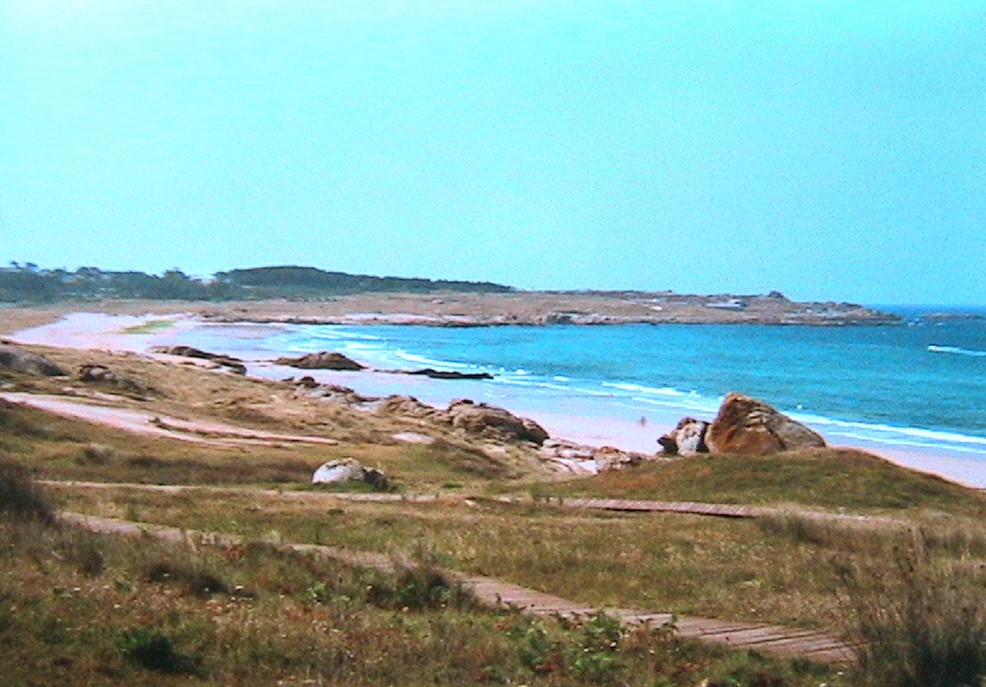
{"points": [[743, 426]]}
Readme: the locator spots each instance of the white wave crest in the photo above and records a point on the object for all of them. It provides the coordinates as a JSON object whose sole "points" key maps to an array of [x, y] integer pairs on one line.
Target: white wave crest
{"points": [[639, 389], [956, 350], [422, 360]]}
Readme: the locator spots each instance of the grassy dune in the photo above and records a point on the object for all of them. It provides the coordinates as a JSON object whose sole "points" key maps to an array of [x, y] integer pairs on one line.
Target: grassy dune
{"points": [[823, 478]]}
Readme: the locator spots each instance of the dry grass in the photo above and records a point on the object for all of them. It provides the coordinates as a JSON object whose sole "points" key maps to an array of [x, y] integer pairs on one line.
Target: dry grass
{"points": [[645, 561], [63, 448], [20, 498], [920, 619], [193, 393], [80, 609], [913, 595]]}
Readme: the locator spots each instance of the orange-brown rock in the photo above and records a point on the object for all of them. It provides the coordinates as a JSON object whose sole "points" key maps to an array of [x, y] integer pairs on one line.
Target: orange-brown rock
{"points": [[747, 426], [479, 418]]}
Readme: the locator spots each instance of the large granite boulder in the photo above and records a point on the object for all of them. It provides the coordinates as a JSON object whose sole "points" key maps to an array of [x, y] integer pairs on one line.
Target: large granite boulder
{"points": [[747, 426], [687, 439], [349, 470], [93, 373], [19, 360], [323, 360], [479, 418]]}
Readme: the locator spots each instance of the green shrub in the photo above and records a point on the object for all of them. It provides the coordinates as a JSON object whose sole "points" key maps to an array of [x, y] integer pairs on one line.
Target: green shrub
{"points": [[538, 651], [596, 658], [590, 650], [154, 650], [193, 572], [419, 586]]}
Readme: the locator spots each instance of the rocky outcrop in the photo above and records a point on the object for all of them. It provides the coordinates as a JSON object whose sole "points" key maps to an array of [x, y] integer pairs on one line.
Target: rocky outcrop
{"points": [[229, 362], [350, 470], [409, 406], [578, 459], [19, 360], [479, 418], [91, 373], [747, 426], [475, 418], [323, 360], [612, 458], [445, 374], [687, 439], [331, 392]]}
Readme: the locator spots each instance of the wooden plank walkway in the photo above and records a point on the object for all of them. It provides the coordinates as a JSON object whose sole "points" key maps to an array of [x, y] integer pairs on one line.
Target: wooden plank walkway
{"points": [[815, 646], [721, 510]]}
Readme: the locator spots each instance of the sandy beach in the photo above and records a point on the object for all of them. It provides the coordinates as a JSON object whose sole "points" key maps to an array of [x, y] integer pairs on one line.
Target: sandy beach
{"points": [[139, 333]]}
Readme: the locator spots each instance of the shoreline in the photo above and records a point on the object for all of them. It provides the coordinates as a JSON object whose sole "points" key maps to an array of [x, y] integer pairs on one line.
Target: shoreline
{"points": [[626, 430]]}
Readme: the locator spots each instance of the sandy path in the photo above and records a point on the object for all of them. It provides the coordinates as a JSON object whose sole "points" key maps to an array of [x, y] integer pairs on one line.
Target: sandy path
{"points": [[157, 425]]}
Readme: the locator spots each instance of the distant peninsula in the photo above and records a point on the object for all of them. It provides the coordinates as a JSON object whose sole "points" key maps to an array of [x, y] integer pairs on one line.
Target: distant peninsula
{"points": [[307, 295], [28, 283]]}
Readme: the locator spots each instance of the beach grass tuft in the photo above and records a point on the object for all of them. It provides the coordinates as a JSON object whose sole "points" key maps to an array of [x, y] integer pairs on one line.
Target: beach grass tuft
{"points": [[919, 619], [20, 497]]}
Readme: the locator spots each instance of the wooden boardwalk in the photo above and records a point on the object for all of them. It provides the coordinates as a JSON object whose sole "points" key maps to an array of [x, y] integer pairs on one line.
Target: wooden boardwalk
{"points": [[815, 646], [719, 510]]}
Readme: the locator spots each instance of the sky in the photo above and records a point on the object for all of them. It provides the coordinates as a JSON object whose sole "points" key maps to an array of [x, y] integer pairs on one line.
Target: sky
{"points": [[832, 150]]}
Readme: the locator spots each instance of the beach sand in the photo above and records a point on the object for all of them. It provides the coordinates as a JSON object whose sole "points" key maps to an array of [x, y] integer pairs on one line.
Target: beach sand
{"points": [[139, 333]]}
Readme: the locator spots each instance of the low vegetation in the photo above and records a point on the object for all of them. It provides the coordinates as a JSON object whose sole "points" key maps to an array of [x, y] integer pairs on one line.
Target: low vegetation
{"points": [[905, 581], [32, 284], [20, 497], [85, 609], [920, 619]]}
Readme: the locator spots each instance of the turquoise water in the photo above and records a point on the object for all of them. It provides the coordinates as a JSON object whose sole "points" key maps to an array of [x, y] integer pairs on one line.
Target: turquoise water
{"points": [[920, 384]]}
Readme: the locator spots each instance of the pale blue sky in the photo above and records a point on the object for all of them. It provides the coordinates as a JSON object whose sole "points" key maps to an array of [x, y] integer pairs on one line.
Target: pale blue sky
{"points": [[827, 149]]}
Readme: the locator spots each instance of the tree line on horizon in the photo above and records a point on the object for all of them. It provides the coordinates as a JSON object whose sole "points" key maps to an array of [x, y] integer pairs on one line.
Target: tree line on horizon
{"points": [[26, 282]]}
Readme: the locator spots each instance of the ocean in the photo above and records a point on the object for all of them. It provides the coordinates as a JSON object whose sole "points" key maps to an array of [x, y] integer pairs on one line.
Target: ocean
{"points": [[917, 385]]}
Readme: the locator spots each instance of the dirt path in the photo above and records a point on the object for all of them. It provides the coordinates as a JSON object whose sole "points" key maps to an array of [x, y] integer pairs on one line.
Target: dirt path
{"points": [[815, 646], [142, 422]]}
